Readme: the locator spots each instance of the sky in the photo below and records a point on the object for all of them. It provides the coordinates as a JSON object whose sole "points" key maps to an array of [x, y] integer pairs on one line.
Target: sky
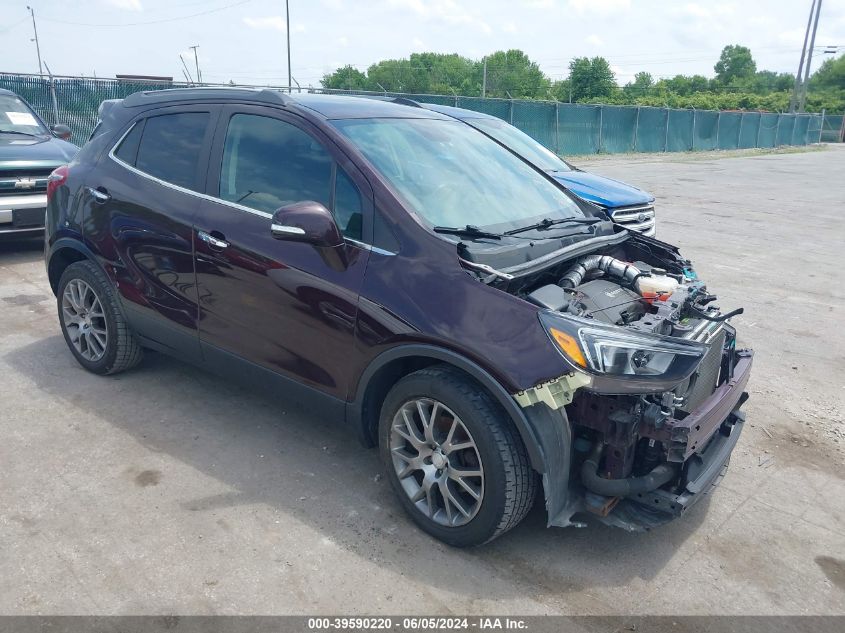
{"points": [[244, 40]]}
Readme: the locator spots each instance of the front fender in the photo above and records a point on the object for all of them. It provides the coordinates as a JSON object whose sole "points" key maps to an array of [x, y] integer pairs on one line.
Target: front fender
{"points": [[354, 414]]}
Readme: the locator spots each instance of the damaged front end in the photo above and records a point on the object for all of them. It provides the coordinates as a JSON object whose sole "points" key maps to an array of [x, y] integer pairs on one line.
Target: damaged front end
{"points": [[644, 423]]}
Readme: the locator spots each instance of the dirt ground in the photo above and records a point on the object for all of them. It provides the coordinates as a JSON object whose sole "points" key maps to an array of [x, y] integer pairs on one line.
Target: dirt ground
{"points": [[169, 491]]}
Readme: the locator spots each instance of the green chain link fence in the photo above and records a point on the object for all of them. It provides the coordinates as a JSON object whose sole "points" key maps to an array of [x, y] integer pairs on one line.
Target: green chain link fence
{"points": [[562, 127]]}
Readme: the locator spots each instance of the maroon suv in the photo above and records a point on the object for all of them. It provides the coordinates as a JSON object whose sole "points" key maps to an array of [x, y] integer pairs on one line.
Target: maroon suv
{"points": [[394, 268]]}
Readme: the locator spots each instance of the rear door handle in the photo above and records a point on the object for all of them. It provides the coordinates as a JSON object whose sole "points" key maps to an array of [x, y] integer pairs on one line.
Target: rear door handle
{"points": [[99, 194], [212, 241]]}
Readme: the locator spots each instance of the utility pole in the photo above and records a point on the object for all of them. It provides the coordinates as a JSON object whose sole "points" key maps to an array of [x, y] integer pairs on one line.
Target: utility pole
{"points": [[37, 46], [802, 102], [197, 62], [793, 100], [287, 24], [484, 80]]}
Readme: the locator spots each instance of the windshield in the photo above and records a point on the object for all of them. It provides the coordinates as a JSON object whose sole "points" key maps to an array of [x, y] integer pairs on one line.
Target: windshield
{"points": [[454, 176], [15, 116], [521, 143]]}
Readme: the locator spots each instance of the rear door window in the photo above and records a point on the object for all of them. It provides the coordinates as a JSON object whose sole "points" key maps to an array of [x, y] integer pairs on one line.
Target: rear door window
{"points": [[170, 147], [127, 151]]}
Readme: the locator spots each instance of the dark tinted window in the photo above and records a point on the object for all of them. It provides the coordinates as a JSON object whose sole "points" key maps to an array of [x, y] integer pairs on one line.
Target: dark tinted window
{"points": [[127, 151], [170, 147], [268, 164], [347, 206]]}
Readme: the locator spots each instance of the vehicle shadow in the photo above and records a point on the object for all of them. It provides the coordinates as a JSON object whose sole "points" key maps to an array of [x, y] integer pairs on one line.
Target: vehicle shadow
{"points": [[14, 248], [313, 471]]}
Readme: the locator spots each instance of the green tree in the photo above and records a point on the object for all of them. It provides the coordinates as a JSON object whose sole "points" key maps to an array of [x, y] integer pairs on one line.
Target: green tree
{"points": [[512, 73], [830, 75], [767, 81], [591, 78], [684, 84], [346, 78], [641, 86], [735, 63]]}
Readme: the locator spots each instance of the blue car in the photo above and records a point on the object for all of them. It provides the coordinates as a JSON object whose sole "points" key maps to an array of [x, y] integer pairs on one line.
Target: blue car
{"points": [[628, 206]]}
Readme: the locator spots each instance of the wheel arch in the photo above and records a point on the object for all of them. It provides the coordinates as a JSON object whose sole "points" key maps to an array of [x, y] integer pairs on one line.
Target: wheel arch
{"points": [[62, 254], [390, 366]]}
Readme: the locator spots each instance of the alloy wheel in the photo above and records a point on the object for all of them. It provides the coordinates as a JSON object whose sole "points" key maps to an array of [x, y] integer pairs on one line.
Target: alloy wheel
{"points": [[437, 462], [84, 320]]}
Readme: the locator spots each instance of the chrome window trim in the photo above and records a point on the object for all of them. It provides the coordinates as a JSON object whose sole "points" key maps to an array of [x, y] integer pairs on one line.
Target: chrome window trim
{"points": [[203, 196], [369, 247], [164, 183]]}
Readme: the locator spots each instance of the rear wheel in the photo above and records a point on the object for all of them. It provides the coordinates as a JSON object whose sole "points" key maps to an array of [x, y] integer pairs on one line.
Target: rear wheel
{"points": [[92, 322], [453, 457]]}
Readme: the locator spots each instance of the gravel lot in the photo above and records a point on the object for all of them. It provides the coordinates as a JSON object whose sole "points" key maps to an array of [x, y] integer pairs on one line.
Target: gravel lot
{"points": [[167, 490]]}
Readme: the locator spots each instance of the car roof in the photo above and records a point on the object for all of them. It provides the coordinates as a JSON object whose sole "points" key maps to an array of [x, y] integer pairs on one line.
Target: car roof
{"points": [[3, 91], [327, 106]]}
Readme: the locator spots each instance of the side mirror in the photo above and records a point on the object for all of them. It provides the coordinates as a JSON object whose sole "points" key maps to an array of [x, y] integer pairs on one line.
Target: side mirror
{"points": [[61, 131], [308, 222]]}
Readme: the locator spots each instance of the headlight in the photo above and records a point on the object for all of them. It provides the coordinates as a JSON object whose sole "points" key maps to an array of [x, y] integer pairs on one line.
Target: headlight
{"points": [[612, 351]]}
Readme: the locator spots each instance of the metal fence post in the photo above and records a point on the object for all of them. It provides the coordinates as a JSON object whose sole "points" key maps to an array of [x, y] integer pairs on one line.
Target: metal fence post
{"points": [[692, 138], [759, 128], [777, 130], [739, 136], [718, 124], [511, 112], [557, 128], [821, 126], [601, 125], [637, 128], [55, 101], [666, 133]]}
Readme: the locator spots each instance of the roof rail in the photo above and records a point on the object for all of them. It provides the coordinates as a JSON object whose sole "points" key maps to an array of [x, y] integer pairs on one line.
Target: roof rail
{"points": [[207, 93], [407, 102]]}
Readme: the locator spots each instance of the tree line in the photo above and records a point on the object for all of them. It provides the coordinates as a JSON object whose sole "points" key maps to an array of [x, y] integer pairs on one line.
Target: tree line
{"points": [[511, 74]]}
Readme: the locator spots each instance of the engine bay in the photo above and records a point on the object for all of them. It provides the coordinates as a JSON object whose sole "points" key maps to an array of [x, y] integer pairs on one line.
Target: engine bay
{"points": [[627, 445]]}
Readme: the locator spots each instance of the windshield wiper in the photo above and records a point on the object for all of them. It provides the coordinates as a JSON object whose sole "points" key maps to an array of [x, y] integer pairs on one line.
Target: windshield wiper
{"points": [[17, 132], [546, 223], [468, 231]]}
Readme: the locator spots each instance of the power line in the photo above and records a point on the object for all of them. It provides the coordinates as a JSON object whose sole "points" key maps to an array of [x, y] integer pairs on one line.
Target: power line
{"points": [[160, 21]]}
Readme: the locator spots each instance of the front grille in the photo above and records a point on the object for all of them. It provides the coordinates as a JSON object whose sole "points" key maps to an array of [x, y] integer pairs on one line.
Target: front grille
{"points": [[703, 382], [20, 182], [638, 217]]}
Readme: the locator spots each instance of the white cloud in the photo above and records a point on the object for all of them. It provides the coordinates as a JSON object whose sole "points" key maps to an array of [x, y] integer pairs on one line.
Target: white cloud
{"points": [[538, 4], [417, 45], [343, 41], [509, 27], [595, 40], [602, 7], [447, 12], [274, 22], [697, 10], [128, 5]]}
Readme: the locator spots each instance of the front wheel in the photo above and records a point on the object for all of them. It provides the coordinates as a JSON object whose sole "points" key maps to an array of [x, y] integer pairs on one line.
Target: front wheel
{"points": [[453, 457]]}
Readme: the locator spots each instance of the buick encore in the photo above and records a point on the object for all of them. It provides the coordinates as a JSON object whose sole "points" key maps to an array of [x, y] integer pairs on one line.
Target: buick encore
{"points": [[496, 338]]}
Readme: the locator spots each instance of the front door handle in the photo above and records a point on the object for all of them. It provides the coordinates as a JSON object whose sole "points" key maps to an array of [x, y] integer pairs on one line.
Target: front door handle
{"points": [[214, 242], [99, 194]]}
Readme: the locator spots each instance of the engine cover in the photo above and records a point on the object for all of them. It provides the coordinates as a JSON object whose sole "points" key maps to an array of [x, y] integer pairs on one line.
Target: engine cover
{"points": [[606, 301]]}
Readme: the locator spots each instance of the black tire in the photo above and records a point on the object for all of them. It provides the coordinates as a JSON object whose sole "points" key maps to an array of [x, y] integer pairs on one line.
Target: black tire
{"points": [[509, 482], [122, 351]]}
